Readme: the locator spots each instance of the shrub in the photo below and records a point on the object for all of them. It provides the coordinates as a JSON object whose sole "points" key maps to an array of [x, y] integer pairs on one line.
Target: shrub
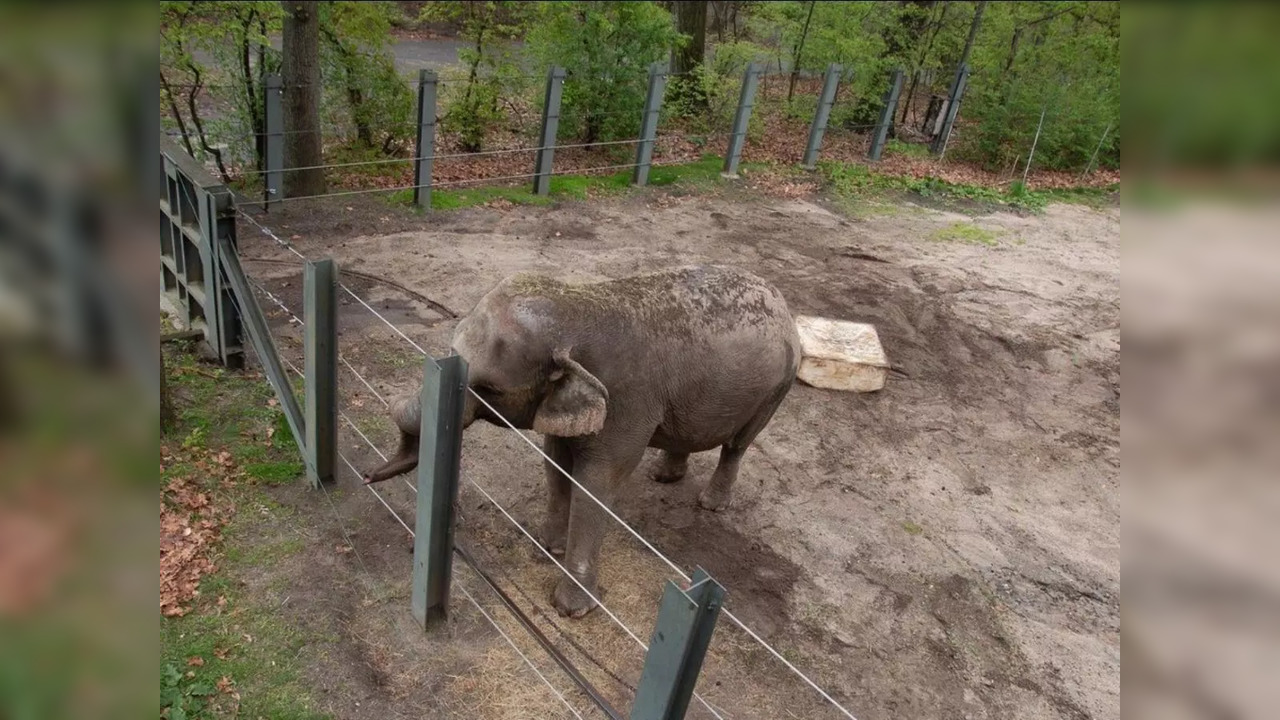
{"points": [[606, 49]]}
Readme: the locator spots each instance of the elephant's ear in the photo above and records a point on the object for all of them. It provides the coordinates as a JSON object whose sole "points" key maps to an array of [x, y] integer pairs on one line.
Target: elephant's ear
{"points": [[576, 402]]}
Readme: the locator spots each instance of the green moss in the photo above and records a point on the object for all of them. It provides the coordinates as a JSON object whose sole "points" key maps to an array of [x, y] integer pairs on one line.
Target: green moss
{"points": [[912, 528], [965, 232]]}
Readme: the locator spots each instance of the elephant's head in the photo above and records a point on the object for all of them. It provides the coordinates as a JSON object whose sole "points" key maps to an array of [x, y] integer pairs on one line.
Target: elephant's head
{"points": [[520, 365]]}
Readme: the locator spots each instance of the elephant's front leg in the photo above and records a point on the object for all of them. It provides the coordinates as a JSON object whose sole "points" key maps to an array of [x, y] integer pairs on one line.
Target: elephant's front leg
{"points": [[587, 526], [555, 529]]}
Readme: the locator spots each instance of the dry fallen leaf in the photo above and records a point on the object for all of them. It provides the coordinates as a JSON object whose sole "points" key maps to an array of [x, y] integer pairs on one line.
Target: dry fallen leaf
{"points": [[195, 661]]}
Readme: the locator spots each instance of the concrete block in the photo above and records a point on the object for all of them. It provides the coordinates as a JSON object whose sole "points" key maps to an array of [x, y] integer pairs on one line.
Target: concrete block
{"points": [[841, 355]]}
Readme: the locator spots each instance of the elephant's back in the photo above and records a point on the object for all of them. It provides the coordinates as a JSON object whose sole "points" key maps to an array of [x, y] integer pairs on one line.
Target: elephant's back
{"points": [[700, 301], [726, 330]]}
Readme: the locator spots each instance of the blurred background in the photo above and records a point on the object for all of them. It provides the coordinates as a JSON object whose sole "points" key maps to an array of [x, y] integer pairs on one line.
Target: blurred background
{"points": [[79, 359]]}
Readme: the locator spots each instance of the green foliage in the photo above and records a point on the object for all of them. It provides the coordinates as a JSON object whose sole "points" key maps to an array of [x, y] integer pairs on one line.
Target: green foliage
{"points": [[183, 697], [362, 88], [1207, 98], [1059, 58], [236, 35], [719, 84], [494, 76], [606, 48], [853, 180]]}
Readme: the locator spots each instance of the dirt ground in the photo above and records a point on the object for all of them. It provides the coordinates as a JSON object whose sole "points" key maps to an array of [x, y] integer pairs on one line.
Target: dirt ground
{"points": [[948, 547]]}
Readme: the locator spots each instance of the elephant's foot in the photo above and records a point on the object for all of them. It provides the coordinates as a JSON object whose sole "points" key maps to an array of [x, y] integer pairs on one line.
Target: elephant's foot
{"points": [[671, 469], [553, 539], [715, 498], [571, 601]]}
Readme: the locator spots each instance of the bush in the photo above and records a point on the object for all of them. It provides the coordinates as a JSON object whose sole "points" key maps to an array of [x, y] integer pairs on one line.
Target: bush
{"points": [[719, 83], [606, 49], [493, 76], [1068, 68], [361, 85]]}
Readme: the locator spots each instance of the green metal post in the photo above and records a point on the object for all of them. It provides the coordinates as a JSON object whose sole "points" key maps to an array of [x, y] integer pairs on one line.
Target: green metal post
{"points": [[741, 119], [260, 334], [550, 126], [820, 116], [444, 388], [953, 106], [425, 148], [649, 123], [273, 154], [886, 116], [320, 333], [686, 620]]}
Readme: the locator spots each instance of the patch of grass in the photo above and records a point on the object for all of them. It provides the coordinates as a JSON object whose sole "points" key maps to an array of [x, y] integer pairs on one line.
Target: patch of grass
{"points": [[965, 232], [274, 473], [855, 184], [894, 146], [699, 174], [232, 655], [912, 528]]}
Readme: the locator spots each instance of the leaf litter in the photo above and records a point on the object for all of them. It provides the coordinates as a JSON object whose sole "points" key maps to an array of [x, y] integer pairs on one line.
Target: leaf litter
{"points": [[192, 518]]}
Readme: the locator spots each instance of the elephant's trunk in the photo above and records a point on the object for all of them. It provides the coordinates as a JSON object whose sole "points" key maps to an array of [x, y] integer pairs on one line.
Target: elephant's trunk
{"points": [[470, 409]]}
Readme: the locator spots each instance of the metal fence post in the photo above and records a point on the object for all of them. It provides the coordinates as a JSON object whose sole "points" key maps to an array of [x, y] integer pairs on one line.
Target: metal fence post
{"points": [[953, 106], [738, 136], [819, 126], [444, 389], [550, 125], [273, 184], [649, 123], [886, 116], [320, 333], [426, 147], [686, 620], [260, 335]]}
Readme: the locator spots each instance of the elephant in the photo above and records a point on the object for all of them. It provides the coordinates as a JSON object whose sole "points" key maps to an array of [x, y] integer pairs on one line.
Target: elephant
{"points": [[684, 360]]}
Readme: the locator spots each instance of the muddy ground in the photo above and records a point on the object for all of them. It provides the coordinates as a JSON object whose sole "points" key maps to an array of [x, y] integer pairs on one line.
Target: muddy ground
{"points": [[948, 547]]}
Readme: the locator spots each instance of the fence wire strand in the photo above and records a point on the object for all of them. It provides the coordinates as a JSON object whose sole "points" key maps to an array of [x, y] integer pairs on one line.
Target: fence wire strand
{"points": [[519, 652]]}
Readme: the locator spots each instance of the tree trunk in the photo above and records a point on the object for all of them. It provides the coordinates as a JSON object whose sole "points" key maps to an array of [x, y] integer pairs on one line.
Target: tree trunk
{"points": [[973, 31], [795, 61], [300, 69], [691, 20], [922, 59]]}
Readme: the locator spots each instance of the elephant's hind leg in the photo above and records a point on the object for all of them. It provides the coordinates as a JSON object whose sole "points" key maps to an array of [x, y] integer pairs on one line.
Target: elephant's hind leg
{"points": [[719, 491], [672, 467]]}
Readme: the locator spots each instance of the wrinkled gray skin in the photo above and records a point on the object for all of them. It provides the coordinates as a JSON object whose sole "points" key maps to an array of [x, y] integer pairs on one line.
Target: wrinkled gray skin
{"points": [[685, 361]]}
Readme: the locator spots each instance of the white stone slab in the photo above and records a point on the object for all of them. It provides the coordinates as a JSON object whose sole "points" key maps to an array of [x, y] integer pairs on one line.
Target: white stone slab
{"points": [[841, 355]]}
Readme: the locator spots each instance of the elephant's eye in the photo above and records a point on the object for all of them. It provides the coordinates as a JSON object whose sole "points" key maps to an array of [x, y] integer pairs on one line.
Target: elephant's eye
{"points": [[485, 389]]}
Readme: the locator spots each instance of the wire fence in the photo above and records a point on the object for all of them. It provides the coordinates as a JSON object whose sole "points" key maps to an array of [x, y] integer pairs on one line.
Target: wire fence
{"points": [[792, 116], [506, 514]]}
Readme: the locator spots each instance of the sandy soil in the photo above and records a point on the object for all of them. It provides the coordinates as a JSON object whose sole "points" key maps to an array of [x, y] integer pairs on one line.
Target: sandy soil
{"points": [[946, 548]]}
